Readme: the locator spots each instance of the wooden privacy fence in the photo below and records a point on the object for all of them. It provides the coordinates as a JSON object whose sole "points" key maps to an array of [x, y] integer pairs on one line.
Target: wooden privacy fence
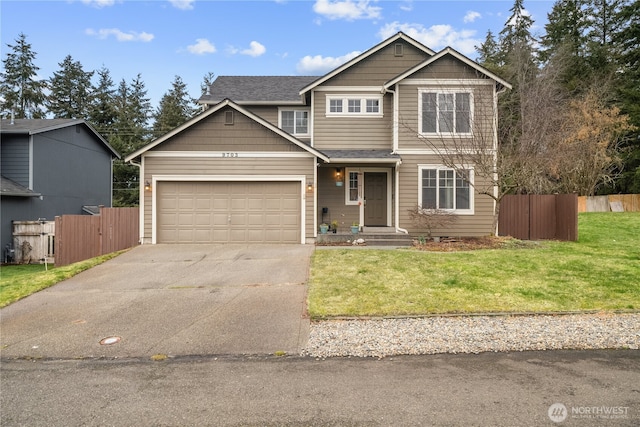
{"points": [[612, 202], [537, 217], [80, 237]]}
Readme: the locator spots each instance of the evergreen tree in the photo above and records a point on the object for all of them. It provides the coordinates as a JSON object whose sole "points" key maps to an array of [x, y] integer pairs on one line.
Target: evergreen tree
{"points": [[489, 53], [129, 132], [176, 107], [71, 91], [604, 23], [627, 41], [207, 81], [102, 111], [21, 93]]}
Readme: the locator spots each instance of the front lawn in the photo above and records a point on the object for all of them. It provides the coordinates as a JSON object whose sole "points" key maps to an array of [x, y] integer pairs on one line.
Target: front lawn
{"points": [[19, 281], [599, 272]]}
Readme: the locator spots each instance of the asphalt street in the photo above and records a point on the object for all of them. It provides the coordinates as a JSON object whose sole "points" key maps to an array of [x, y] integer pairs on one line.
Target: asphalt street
{"points": [[584, 388]]}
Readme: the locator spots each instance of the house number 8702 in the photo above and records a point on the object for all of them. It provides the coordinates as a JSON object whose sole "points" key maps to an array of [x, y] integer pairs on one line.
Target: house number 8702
{"points": [[229, 154]]}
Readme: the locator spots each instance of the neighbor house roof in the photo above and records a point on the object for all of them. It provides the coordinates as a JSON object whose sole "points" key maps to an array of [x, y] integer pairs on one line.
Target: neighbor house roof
{"points": [[12, 188], [36, 126], [257, 89], [218, 107]]}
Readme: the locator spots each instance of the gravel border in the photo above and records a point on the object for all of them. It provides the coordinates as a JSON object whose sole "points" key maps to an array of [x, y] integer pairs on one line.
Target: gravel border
{"points": [[472, 334]]}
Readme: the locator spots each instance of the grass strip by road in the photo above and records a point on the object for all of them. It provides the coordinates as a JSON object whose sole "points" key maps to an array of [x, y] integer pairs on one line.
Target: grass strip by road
{"points": [[19, 281], [601, 271]]}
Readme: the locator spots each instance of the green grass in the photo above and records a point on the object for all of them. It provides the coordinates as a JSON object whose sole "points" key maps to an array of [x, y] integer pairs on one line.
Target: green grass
{"points": [[19, 281], [599, 272]]}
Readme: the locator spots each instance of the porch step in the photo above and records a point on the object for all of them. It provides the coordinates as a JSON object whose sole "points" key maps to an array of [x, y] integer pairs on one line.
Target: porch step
{"points": [[395, 239]]}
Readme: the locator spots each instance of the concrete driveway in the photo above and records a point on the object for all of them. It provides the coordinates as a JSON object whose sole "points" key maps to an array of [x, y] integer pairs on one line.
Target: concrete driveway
{"points": [[171, 300]]}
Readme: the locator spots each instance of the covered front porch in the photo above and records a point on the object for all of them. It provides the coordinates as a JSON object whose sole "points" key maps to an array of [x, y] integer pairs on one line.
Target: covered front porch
{"points": [[357, 188]]}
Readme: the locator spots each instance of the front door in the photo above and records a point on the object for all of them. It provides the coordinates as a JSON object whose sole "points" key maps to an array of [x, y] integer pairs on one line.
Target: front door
{"points": [[375, 196]]}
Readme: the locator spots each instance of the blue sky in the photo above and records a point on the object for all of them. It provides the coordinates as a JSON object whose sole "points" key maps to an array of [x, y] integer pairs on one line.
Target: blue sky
{"points": [[160, 39]]}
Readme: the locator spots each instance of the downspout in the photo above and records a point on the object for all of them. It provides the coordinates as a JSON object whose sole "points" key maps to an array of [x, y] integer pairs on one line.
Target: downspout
{"points": [[495, 148], [398, 163], [141, 202]]}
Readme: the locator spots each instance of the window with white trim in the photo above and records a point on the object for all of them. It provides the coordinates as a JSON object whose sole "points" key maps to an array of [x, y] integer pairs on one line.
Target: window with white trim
{"points": [[445, 112], [446, 189], [352, 187], [354, 105], [295, 122]]}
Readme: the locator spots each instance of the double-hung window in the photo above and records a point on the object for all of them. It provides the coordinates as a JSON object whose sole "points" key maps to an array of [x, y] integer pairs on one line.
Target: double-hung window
{"points": [[446, 189], [295, 122], [445, 112], [352, 187]]}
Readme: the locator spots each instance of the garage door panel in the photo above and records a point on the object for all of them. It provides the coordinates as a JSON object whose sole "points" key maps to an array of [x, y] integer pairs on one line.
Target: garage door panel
{"points": [[228, 212]]}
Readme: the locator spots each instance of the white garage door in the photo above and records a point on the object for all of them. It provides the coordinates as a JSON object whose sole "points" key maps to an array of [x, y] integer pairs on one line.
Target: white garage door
{"points": [[228, 212]]}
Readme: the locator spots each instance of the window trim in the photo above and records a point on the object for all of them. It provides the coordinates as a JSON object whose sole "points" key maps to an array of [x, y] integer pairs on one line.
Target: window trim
{"points": [[363, 98], [347, 187], [438, 168], [422, 91], [296, 110]]}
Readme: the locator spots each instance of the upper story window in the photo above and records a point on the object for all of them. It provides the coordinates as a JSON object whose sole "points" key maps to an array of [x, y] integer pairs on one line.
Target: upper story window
{"points": [[296, 122], [354, 105], [445, 112]]}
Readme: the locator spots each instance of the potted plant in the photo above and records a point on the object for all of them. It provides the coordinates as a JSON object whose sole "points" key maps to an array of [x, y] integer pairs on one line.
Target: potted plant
{"points": [[334, 226], [355, 227], [324, 228]]}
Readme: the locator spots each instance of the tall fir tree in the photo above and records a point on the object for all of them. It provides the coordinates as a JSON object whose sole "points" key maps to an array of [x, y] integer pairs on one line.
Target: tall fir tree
{"points": [[21, 92], [176, 107], [102, 111], [71, 91], [130, 131], [489, 54]]}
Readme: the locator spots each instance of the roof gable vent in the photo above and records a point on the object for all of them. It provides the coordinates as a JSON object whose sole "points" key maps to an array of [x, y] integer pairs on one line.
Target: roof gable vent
{"points": [[398, 49], [228, 117]]}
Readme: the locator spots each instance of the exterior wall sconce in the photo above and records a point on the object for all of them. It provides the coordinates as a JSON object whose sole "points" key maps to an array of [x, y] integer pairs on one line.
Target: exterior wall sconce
{"points": [[339, 177], [310, 186], [147, 186]]}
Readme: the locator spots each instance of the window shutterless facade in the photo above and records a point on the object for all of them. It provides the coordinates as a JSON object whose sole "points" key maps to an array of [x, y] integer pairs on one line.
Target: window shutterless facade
{"points": [[445, 112], [444, 188], [295, 122], [354, 105]]}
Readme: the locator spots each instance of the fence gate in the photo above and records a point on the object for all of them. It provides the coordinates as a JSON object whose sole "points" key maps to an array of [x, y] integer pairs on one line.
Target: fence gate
{"points": [[34, 241]]}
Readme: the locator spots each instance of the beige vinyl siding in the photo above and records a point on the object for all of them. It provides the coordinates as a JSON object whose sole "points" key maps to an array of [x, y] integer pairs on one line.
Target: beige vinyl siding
{"points": [[212, 134], [380, 67], [478, 224], [267, 112], [201, 167], [333, 198], [408, 117], [349, 132]]}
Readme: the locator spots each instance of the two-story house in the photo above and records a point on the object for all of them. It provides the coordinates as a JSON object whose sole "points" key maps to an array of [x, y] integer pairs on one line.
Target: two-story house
{"points": [[51, 167], [272, 157]]}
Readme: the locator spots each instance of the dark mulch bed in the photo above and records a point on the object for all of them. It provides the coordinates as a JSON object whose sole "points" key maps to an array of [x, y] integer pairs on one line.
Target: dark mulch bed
{"points": [[472, 243]]}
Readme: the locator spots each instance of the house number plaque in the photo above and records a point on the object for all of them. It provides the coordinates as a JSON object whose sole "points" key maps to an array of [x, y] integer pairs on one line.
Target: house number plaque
{"points": [[227, 155]]}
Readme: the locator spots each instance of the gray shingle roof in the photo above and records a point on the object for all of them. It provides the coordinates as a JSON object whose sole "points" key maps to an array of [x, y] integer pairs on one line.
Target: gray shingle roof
{"points": [[265, 89], [12, 188], [373, 155]]}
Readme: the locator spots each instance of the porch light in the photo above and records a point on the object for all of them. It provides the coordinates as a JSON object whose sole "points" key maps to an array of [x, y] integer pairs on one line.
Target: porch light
{"points": [[147, 186], [310, 186], [339, 177]]}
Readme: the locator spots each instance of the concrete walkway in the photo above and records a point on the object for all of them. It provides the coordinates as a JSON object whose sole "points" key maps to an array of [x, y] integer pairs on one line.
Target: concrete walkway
{"points": [[169, 299]]}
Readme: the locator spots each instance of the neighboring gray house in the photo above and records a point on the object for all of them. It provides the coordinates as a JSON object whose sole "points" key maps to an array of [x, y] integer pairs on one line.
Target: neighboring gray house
{"points": [[271, 158], [51, 167]]}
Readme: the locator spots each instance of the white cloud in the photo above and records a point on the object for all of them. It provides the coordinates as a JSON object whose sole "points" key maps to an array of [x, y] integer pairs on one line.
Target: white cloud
{"points": [[182, 4], [99, 3], [436, 37], [255, 49], [471, 16], [320, 65], [406, 5], [201, 47], [121, 36], [346, 9]]}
